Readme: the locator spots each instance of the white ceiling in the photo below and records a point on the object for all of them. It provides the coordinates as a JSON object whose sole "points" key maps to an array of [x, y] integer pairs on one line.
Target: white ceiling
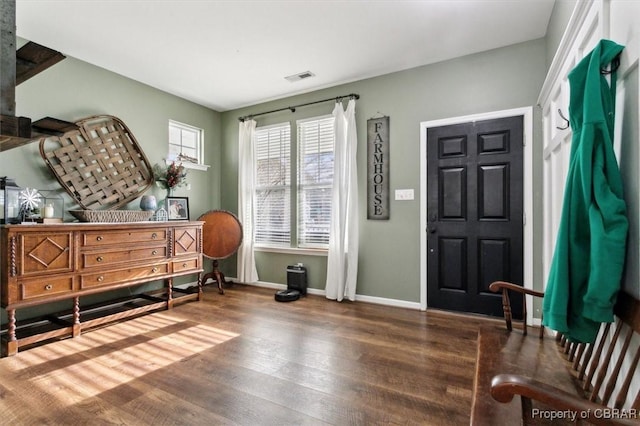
{"points": [[230, 54]]}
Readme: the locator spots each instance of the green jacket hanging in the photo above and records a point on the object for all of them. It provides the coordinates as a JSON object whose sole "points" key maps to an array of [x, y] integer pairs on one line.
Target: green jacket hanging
{"points": [[587, 264]]}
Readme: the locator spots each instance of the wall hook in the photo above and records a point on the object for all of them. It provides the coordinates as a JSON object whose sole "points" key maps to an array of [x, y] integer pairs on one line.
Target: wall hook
{"points": [[615, 64], [565, 119]]}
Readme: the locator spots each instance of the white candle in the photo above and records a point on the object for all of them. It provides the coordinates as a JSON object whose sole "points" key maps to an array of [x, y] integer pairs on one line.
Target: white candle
{"points": [[48, 210]]}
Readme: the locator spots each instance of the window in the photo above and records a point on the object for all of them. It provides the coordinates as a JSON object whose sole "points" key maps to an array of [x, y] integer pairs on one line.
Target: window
{"points": [[185, 145], [312, 181], [315, 180], [273, 185]]}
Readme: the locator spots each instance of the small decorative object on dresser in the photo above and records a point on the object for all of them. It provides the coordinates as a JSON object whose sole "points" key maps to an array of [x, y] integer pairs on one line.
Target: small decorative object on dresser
{"points": [[30, 205], [178, 208], [161, 215], [148, 202], [52, 207], [170, 177], [9, 200]]}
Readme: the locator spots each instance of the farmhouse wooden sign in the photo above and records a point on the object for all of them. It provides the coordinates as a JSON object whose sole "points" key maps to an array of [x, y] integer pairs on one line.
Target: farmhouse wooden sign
{"points": [[378, 168]]}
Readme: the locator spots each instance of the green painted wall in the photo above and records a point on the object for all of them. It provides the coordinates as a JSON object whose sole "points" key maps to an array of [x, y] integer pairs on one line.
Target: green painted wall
{"points": [[389, 261], [562, 11], [73, 89]]}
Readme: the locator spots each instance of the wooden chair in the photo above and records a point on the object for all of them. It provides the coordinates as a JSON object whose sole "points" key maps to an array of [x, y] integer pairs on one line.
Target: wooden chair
{"points": [[221, 238]]}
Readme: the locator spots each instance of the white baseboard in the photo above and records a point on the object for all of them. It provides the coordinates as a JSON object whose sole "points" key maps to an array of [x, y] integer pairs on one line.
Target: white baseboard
{"points": [[388, 302], [359, 297]]}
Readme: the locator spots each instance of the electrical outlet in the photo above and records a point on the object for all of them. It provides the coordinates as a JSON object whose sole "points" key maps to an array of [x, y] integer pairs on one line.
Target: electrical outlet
{"points": [[404, 194]]}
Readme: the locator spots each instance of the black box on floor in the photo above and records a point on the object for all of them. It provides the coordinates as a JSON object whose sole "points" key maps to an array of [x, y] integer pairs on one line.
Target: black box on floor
{"points": [[297, 278]]}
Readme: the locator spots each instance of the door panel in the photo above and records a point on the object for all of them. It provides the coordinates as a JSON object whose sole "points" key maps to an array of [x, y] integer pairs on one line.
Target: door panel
{"points": [[474, 214], [453, 193], [453, 273], [493, 192]]}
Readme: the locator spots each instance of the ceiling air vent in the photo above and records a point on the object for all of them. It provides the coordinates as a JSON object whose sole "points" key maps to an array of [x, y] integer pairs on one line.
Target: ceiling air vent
{"points": [[300, 76]]}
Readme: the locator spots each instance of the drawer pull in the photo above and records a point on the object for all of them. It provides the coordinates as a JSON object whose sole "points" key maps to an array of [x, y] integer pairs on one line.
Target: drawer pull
{"points": [[100, 278], [153, 253], [99, 259], [184, 265], [154, 270], [154, 236], [48, 287], [99, 238]]}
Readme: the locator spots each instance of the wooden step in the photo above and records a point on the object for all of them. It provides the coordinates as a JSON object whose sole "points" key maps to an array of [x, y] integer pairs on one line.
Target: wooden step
{"points": [[33, 58]]}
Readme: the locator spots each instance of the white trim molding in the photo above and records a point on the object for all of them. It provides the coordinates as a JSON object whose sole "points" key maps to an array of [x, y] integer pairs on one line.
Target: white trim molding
{"points": [[575, 25]]}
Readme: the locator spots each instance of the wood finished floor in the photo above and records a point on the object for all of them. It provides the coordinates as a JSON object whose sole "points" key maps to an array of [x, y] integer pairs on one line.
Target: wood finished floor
{"points": [[243, 358]]}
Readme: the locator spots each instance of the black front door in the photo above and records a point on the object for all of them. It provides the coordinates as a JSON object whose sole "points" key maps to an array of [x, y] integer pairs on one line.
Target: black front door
{"points": [[474, 214]]}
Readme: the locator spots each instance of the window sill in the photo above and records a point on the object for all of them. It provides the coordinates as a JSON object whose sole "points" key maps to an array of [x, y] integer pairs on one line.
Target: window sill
{"points": [[191, 166], [292, 250]]}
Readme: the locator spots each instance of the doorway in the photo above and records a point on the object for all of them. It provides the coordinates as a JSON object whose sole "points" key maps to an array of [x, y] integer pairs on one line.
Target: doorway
{"points": [[474, 202]]}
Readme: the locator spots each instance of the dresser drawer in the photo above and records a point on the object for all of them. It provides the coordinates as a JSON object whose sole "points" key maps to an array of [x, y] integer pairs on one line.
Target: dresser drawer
{"points": [[100, 279], [45, 287], [114, 257], [184, 265], [44, 253], [105, 238]]}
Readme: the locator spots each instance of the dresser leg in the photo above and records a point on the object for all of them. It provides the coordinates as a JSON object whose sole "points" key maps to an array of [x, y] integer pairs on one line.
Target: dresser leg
{"points": [[200, 294], [170, 293], [12, 342], [76, 317]]}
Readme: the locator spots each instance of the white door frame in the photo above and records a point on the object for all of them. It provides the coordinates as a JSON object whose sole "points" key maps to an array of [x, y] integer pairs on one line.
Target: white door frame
{"points": [[527, 170]]}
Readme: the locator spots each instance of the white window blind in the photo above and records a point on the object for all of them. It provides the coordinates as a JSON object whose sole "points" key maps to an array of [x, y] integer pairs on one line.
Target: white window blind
{"points": [[273, 185], [315, 180]]}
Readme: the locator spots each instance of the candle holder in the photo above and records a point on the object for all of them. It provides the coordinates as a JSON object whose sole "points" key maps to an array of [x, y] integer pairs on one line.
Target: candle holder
{"points": [[52, 207], [9, 201]]}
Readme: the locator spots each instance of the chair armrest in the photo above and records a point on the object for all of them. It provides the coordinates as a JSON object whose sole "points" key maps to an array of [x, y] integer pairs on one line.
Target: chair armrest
{"points": [[496, 286], [504, 286], [505, 386]]}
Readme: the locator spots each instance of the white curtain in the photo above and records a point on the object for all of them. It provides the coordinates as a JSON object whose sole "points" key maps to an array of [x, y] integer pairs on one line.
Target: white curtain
{"points": [[247, 272], [342, 261]]}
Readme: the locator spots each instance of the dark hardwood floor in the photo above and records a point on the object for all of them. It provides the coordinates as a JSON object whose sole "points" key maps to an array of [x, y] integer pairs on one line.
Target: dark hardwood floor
{"points": [[243, 358]]}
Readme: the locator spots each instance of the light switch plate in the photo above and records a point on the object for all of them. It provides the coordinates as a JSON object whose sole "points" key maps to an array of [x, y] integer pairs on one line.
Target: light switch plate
{"points": [[404, 194]]}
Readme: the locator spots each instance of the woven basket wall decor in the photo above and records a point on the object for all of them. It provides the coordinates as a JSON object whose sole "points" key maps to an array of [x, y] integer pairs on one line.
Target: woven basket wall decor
{"points": [[100, 165]]}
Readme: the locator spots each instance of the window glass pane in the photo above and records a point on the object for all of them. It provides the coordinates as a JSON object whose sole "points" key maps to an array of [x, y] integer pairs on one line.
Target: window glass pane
{"points": [[314, 208], [174, 150], [190, 152], [273, 211], [174, 135], [189, 139], [272, 218], [315, 180]]}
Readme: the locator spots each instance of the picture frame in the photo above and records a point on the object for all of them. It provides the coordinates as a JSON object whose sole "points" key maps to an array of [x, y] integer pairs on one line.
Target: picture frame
{"points": [[177, 208]]}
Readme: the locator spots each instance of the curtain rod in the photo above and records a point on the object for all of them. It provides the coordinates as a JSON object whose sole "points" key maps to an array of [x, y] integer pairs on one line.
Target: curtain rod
{"points": [[293, 108]]}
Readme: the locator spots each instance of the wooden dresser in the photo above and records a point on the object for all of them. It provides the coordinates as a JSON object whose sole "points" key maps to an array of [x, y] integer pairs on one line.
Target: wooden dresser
{"points": [[46, 263]]}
